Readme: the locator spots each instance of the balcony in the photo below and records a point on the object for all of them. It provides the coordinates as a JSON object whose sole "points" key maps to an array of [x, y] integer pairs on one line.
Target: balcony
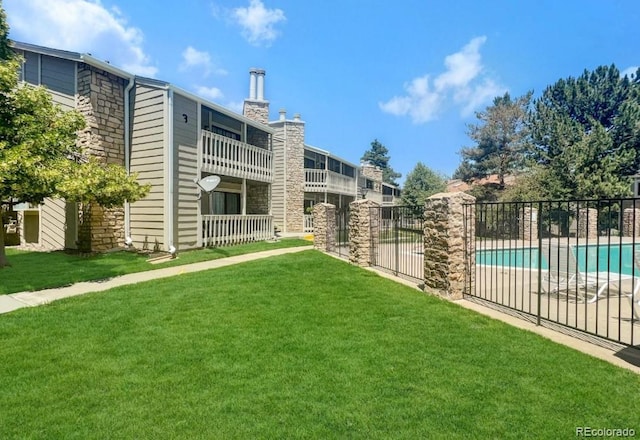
{"points": [[228, 157], [328, 181], [226, 230]]}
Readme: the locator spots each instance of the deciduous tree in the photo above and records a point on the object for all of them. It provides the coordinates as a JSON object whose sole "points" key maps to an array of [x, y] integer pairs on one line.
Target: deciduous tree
{"points": [[39, 156], [421, 183]]}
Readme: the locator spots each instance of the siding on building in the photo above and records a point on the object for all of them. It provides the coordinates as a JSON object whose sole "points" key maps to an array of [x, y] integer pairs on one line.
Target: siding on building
{"points": [[185, 162], [277, 188], [147, 157], [52, 216], [58, 76]]}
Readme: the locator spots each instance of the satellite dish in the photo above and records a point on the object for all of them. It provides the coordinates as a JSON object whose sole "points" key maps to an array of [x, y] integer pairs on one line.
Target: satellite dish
{"points": [[208, 183]]}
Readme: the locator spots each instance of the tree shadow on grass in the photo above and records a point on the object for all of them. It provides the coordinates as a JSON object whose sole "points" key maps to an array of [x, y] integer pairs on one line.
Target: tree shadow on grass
{"points": [[42, 270]]}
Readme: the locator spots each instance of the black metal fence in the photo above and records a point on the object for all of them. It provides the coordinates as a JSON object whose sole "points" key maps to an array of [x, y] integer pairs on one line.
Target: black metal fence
{"points": [[574, 263], [399, 244], [342, 232]]}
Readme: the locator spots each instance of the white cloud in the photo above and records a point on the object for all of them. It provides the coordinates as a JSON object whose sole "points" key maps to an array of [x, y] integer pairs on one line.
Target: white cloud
{"points": [[193, 58], [462, 84], [258, 23], [421, 103], [629, 71], [462, 67], [80, 26], [235, 106], [210, 93]]}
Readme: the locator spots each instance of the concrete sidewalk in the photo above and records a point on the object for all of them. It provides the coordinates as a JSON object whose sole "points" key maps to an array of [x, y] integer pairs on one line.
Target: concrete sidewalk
{"points": [[14, 301]]}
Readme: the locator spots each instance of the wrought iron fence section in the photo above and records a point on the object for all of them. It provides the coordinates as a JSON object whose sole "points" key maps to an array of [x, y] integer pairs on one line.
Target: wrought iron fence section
{"points": [[398, 242], [575, 263], [342, 232]]}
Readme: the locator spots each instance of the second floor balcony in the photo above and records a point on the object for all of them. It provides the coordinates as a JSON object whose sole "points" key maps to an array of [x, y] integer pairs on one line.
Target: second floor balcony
{"points": [[229, 157], [329, 181]]}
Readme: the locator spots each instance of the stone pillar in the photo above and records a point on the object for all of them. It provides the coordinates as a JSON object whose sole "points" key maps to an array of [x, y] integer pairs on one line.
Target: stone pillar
{"points": [[100, 99], [324, 227], [528, 224], [364, 231], [448, 243], [631, 222], [587, 223]]}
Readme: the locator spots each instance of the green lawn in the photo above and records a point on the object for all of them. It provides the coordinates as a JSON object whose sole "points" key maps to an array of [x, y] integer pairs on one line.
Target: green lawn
{"points": [[42, 270], [295, 346]]}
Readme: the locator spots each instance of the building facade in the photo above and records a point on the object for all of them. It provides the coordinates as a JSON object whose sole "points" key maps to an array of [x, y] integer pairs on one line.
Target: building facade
{"points": [[270, 178]]}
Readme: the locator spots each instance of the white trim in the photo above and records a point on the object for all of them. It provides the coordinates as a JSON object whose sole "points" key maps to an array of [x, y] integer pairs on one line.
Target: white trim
{"points": [[199, 192], [244, 197], [171, 171], [127, 150], [168, 170]]}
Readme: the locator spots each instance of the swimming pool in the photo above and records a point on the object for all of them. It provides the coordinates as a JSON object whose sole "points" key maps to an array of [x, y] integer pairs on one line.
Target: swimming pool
{"points": [[603, 257], [514, 257]]}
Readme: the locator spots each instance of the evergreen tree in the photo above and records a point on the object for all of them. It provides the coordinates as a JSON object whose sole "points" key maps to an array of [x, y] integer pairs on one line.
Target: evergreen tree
{"points": [[378, 155], [500, 137], [586, 134]]}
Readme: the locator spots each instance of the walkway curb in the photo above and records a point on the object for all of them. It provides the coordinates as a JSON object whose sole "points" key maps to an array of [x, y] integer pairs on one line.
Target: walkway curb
{"points": [[15, 301]]}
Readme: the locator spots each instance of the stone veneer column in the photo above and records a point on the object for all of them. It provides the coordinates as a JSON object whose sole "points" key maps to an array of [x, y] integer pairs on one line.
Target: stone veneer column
{"points": [[294, 177], [448, 242], [528, 224], [324, 227], [100, 99], [587, 223], [257, 198], [631, 222], [364, 231]]}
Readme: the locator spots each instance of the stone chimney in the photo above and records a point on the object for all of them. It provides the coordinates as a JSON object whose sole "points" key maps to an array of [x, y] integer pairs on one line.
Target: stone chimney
{"points": [[371, 172], [255, 107]]}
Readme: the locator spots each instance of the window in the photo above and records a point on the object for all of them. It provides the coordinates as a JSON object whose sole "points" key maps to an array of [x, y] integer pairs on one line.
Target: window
{"points": [[225, 203], [334, 165], [314, 160], [348, 171], [368, 184]]}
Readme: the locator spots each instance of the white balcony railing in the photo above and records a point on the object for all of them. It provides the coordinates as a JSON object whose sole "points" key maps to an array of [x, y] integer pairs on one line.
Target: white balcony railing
{"points": [[328, 181], [387, 199], [229, 157], [224, 230], [308, 223]]}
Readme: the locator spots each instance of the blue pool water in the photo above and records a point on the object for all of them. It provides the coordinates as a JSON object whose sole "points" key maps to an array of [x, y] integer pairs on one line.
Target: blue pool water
{"points": [[517, 257], [616, 258]]}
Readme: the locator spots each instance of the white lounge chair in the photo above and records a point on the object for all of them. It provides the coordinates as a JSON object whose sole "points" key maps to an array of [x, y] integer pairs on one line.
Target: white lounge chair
{"points": [[564, 275]]}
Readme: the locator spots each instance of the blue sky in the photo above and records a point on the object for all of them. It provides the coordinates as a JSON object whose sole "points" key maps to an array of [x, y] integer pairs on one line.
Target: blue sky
{"points": [[409, 73]]}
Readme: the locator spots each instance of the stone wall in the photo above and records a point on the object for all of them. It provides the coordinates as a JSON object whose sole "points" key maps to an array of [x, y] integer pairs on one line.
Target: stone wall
{"points": [[257, 198], [364, 231], [294, 178], [587, 223], [528, 224], [445, 243], [256, 110], [373, 173], [631, 222], [324, 223], [101, 100]]}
